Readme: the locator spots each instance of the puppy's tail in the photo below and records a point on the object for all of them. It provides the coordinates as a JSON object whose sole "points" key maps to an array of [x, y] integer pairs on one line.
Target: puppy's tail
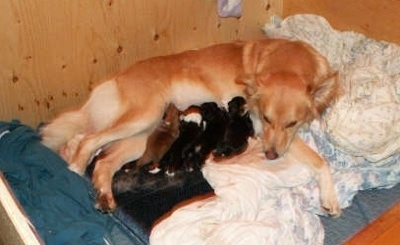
{"points": [[56, 133]]}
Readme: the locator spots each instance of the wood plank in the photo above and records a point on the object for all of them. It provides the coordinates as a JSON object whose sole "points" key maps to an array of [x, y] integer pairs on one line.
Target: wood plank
{"points": [[377, 19], [15, 227], [384, 230], [390, 236], [54, 52]]}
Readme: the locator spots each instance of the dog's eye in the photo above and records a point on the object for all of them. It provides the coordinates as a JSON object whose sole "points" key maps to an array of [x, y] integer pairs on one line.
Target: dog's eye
{"points": [[291, 124], [266, 119]]}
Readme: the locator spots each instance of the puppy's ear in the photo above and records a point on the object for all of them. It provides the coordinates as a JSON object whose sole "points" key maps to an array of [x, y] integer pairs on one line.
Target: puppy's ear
{"points": [[326, 90]]}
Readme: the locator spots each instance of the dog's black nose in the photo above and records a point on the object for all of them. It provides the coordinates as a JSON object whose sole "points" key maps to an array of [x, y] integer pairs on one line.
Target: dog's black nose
{"points": [[271, 154]]}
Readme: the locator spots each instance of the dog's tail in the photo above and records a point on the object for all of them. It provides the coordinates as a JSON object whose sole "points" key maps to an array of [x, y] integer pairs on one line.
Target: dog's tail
{"points": [[56, 133]]}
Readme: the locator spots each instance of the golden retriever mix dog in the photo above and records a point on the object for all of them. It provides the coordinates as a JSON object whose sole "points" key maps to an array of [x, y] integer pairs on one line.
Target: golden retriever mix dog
{"points": [[287, 84]]}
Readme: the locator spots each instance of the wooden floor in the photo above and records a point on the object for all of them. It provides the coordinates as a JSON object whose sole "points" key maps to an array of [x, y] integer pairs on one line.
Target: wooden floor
{"points": [[383, 231]]}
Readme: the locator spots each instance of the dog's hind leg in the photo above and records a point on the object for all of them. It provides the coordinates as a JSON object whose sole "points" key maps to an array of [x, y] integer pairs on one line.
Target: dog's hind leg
{"points": [[129, 124], [304, 154], [56, 133], [111, 160], [103, 107]]}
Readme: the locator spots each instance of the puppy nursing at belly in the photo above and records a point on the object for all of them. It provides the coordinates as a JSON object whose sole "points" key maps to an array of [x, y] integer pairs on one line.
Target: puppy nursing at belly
{"points": [[287, 84]]}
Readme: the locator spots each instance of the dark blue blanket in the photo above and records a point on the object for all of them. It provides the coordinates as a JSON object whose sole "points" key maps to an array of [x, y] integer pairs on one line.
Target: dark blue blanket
{"points": [[58, 202]]}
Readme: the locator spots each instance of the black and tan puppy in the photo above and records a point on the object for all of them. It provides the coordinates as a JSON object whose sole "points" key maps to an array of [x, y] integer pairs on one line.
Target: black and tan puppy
{"points": [[215, 120], [238, 130], [191, 127]]}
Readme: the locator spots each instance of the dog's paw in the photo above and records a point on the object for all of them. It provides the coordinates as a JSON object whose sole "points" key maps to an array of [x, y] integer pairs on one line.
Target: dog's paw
{"points": [[331, 206], [105, 202], [75, 168]]}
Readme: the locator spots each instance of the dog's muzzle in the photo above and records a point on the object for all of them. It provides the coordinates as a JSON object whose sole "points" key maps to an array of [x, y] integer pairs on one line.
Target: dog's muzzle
{"points": [[271, 154]]}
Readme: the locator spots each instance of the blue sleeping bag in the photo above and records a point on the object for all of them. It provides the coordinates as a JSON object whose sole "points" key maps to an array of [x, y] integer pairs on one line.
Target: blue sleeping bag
{"points": [[58, 202]]}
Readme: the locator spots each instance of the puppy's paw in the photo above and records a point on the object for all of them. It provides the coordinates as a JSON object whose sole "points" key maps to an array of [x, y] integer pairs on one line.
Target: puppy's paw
{"points": [[105, 202]]}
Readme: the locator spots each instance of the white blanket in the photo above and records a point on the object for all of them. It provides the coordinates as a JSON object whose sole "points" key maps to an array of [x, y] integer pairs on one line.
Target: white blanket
{"points": [[254, 204], [261, 202]]}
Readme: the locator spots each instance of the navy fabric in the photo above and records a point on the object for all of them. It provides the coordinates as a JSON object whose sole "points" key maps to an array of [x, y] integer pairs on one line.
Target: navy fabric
{"points": [[58, 202], [141, 207]]}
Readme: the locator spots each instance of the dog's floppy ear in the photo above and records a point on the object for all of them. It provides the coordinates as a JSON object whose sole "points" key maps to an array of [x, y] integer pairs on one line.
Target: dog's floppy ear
{"points": [[326, 90], [248, 77], [253, 52], [249, 81], [251, 57]]}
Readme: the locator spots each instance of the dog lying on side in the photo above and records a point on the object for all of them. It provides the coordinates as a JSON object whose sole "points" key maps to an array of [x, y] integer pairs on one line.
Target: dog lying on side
{"points": [[286, 83]]}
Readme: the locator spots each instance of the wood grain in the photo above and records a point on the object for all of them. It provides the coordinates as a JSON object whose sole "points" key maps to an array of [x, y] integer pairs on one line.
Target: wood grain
{"points": [[377, 19], [54, 52], [383, 231]]}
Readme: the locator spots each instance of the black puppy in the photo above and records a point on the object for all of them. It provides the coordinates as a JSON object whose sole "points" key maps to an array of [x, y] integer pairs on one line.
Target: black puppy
{"points": [[238, 130], [215, 120]]}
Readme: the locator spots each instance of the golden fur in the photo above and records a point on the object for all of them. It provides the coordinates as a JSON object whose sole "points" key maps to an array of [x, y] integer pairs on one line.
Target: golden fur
{"points": [[287, 84]]}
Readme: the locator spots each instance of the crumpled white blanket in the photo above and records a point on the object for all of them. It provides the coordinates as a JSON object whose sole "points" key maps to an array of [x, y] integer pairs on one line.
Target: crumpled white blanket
{"points": [[254, 204], [260, 202]]}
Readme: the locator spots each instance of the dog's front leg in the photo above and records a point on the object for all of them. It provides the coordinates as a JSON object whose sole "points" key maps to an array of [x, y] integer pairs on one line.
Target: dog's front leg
{"points": [[303, 153], [114, 157]]}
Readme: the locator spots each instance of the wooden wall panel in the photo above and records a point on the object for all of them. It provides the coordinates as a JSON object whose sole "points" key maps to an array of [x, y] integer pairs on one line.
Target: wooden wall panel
{"points": [[377, 19], [53, 52]]}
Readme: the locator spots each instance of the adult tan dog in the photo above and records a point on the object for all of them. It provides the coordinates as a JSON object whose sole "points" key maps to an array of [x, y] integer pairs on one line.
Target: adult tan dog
{"points": [[287, 84]]}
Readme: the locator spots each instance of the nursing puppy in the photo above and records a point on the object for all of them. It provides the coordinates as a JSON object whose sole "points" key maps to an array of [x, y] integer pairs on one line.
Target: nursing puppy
{"points": [[215, 120], [237, 132], [162, 138], [190, 128], [286, 83]]}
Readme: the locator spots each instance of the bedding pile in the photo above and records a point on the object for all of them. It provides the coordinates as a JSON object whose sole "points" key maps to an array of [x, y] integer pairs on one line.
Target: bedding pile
{"points": [[261, 202]]}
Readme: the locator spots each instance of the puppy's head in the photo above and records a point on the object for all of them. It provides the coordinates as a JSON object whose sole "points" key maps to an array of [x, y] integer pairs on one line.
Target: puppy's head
{"points": [[238, 130], [210, 111], [237, 106], [288, 84]]}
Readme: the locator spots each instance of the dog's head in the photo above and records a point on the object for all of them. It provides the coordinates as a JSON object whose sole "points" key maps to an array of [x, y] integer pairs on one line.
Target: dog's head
{"points": [[288, 84]]}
